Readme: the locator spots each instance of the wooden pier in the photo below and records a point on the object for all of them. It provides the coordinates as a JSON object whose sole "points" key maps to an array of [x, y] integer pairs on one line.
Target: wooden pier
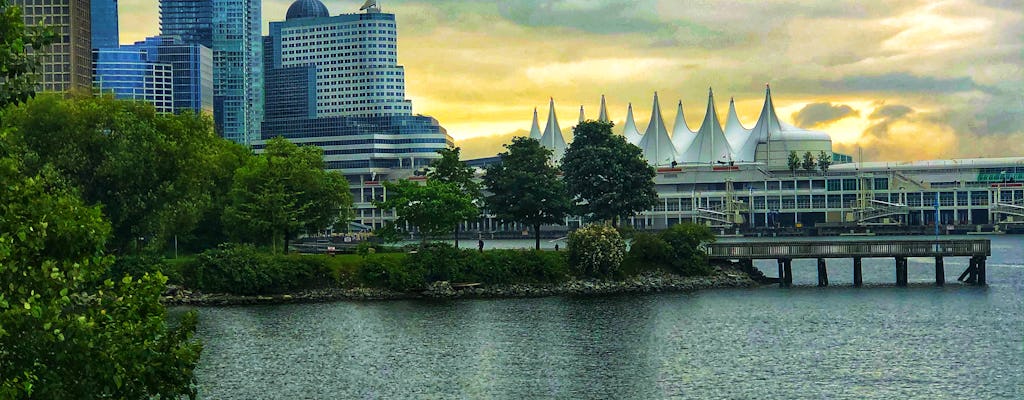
{"points": [[785, 252]]}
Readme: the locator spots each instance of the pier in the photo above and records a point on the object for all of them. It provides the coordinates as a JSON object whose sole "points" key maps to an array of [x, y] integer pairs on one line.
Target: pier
{"points": [[785, 252]]}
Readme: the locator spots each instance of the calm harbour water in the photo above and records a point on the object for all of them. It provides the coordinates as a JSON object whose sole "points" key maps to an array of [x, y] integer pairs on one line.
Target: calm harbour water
{"points": [[877, 342]]}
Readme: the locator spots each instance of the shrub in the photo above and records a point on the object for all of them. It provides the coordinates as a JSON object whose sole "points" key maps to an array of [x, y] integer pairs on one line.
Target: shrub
{"points": [[596, 251], [687, 242], [390, 273], [242, 269], [138, 265], [443, 262], [497, 267], [647, 252]]}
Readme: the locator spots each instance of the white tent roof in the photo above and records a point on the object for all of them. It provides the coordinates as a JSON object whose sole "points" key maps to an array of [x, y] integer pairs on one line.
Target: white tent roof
{"points": [[604, 111], [735, 133], [630, 132], [583, 117], [710, 145], [656, 145], [552, 137], [535, 129], [769, 126], [682, 135]]}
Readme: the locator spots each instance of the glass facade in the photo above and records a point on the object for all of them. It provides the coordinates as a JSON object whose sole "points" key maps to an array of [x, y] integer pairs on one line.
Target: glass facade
{"points": [[129, 74], [104, 24], [190, 20], [193, 71], [67, 63]]}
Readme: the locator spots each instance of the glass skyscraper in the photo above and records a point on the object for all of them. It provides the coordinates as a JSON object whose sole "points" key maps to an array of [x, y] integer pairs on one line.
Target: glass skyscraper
{"points": [[231, 28], [67, 64], [193, 70], [334, 82], [129, 74], [104, 24]]}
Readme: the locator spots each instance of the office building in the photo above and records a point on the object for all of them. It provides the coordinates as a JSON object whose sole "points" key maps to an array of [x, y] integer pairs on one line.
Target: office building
{"points": [[104, 24], [67, 64], [192, 65], [128, 73]]}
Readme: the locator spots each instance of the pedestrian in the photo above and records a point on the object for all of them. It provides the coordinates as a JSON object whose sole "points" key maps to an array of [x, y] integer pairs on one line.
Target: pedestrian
{"points": [[480, 245], [556, 246]]}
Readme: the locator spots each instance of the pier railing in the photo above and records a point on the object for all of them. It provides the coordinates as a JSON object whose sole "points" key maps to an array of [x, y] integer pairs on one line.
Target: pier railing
{"points": [[848, 249]]}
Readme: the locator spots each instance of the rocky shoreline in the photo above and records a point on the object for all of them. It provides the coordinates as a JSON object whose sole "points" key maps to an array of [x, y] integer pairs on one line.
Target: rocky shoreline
{"points": [[723, 277]]}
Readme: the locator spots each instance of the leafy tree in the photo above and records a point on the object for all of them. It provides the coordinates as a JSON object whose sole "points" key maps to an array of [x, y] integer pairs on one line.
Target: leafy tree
{"points": [[525, 188], [809, 162], [607, 177], [149, 171], [61, 335], [285, 191], [687, 241], [793, 162], [450, 169], [433, 207], [596, 251], [226, 158], [18, 66], [824, 161]]}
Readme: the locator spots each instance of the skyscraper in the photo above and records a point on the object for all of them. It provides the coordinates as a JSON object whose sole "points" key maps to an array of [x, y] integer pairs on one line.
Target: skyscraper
{"points": [[334, 82], [67, 64], [192, 65], [104, 24], [128, 73], [231, 28]]}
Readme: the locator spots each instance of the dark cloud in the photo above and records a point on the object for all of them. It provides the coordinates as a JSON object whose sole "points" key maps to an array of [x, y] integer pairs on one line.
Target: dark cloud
{"points": [[902, 82], [602, 17], [821, 113], [890, 112]]}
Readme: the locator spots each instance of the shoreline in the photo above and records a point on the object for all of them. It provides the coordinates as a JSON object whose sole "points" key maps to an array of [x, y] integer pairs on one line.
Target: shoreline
{"points": [[721, 278]]}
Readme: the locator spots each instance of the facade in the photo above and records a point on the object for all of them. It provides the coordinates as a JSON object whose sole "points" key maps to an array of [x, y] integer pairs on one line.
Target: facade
{"points": [[192, 65], [67, 64], [231, 29], [334, 82], [128, 73], [104, 24]]}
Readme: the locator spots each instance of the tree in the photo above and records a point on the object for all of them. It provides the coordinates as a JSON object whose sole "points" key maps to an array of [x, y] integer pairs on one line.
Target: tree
{"points": [[525, 188], [824, 161], [687, 241], [18, 66], [450, 169], [793, 162], [285, 191], [61, 334], [606, 177], [809, 164], [433, 207]]}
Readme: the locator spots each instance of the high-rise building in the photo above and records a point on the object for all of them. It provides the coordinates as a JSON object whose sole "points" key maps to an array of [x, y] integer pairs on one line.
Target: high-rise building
{"points": [[192, 65], [128, 73], [231, 28], [334, 82], [104, 24], [67, 64]]}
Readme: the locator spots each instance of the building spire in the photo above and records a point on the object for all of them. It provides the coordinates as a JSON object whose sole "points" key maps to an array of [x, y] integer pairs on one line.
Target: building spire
{"points": [[552, 137], [603, 117], [582, 116], [656, 145], [535, 128], [630, 132]]}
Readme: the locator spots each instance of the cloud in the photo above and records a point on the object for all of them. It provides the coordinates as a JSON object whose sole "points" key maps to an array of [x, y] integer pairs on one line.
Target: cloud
{"points": [[487, 146], [901, 82], [816, 114], [893, 111]]}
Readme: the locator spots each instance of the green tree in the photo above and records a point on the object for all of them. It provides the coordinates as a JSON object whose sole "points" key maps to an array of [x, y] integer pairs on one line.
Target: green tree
{"points": [[687, 242], [809, 162], [19, 66], [607, 177], [450, 169], [283, 192], [824, 161], [61, 336], [433, 207], [793, 162], [525, 188], [227, 157]]}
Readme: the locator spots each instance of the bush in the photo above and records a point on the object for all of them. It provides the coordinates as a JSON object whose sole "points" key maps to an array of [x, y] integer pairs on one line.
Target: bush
{"points": [[443, 262], [390, 273], [687, 242], [647, 252], [596, 251], [242, 269], [502, 267], [138, 265]]}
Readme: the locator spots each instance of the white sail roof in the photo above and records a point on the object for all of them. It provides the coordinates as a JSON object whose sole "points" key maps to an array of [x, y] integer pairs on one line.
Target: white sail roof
{"points": [[710, 145], [769, 127], [630, 132], [682, 135], [735, 133], [656, 145], [552, 137], [535, 129], [604, 111], [583, 116]]}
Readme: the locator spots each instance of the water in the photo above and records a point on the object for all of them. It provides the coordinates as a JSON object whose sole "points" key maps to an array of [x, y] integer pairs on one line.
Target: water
{"points": [[878, 342]]}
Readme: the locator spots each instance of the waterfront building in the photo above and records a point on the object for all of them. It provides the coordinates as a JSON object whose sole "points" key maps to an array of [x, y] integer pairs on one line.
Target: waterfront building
{"points": [[129, 73], [104, 24], [334, 82], [231, 29], [67, 64], [192, 66]]}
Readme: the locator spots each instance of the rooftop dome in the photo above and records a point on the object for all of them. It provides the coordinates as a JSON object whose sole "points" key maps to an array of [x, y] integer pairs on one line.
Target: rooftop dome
{"points": [[307, 9]]}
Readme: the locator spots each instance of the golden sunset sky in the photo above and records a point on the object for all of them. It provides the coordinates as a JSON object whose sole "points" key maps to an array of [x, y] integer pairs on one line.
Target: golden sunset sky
{"points": [[901, 79]]}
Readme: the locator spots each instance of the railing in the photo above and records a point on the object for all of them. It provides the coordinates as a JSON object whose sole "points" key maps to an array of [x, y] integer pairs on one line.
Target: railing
{"points": [[848, 249]]}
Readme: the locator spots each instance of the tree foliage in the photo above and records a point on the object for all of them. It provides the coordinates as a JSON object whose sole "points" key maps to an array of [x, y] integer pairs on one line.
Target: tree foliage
{"points": [[283, 192], [607, 177], [809, 164], [450, 169], [61, 335], [824, 161], [687, 242], [434, 207], [793, 162], [525, 188], [18, 77], [596, 251]]}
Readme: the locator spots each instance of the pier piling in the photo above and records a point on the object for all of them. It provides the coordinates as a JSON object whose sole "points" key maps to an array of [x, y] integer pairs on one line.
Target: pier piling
{"points": [[940, 272], [858, 275], [901, 271], [782, 273], [787, 265], [822, 273]]}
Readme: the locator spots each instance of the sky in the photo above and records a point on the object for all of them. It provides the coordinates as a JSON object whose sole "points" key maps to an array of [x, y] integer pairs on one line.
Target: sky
{"points": [[889, 79]]}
